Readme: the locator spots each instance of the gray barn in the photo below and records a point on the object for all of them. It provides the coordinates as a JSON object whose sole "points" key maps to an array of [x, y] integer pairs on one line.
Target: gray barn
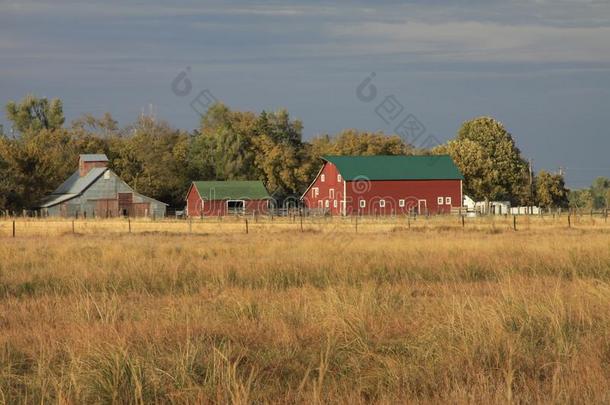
{"points": [[96, 191]]}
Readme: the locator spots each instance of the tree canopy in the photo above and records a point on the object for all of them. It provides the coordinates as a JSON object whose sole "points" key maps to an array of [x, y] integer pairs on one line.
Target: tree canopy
{"points": [[550, 190], [490, 161], [34, 114]]}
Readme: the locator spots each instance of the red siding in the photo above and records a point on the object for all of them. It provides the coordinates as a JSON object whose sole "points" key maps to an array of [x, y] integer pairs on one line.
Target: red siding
{"points": [[85, 167], [329, 191], [413, 192], [196, 207], [193, 202]]}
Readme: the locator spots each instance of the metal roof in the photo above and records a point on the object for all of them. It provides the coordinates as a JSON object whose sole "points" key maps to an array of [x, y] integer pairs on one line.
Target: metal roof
{"points": [[55, 199], [383, 167], [73, 187], [232, 190], [76, 184], [94, 157]]}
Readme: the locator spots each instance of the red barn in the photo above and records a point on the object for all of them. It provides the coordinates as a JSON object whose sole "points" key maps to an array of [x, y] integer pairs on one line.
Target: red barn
{"points": [[385, 185], [213, 198]]}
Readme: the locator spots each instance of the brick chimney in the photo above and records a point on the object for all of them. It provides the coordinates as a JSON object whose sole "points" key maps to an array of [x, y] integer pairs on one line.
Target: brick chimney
{"points": [[88, 162]]}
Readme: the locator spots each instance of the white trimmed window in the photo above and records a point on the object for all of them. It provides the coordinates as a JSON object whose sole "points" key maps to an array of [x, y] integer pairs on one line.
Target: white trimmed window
{"points": [[338, 178], [331, 193], [439, 200], [335, 203], [362, 203], [315, 192], [327, 203], [401, 203], [382, 203], [322, 178], [448, 200]]}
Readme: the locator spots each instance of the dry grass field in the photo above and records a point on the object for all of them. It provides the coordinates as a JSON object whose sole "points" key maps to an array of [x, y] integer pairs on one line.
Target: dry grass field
{"points": [[388, 311]]}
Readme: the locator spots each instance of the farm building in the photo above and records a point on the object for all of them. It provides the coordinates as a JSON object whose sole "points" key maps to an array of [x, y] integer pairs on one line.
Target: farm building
{"points": [[96, 191], [213, 198], [385, 185]]}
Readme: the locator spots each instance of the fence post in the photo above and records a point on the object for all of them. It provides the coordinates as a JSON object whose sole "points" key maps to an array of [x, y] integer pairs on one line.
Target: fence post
{"points": [[569, 222], [13, 228], [246, 226], [73, 227], [514, 222], [129, 224], [462, 221], [356, 223], [301, 218]]}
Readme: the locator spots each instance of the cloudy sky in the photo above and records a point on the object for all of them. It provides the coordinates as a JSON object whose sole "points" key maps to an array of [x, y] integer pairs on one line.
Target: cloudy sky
{"points": [[541, 67]]}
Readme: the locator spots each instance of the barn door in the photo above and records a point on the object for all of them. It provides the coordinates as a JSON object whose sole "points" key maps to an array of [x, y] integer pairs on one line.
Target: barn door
{"points": [[125, 203], [422, 207]]}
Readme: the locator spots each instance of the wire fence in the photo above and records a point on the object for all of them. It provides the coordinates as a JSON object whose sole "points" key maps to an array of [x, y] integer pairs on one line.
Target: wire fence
{"points": [[49, 227]]}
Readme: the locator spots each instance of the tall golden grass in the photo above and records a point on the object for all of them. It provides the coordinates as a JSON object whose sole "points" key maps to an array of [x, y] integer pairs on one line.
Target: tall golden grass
{"points": [[425, 311]]}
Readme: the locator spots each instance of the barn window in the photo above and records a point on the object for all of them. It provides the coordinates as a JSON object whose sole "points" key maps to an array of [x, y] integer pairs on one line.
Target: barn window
{"points": [[322, 178], [236, 206], [338, 178], [439, 200], [331, 193], [107, 175], [315, 192], [401, 203], [327, 203], [448, 200], [362, 203], [335, 203], [382, 203]]}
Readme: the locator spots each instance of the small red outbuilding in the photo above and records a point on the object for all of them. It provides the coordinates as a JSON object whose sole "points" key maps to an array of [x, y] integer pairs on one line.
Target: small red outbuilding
{"points": [[213, 198], [385, 185]]}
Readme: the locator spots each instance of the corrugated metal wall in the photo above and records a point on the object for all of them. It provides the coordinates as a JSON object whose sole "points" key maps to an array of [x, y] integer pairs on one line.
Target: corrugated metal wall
{"points": [[106, 187]]}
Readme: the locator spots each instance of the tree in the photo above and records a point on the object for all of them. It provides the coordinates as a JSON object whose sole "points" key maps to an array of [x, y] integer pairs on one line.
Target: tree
{"points": [[356, 143], [152, 157], [224, 148], [281, 159], [37, 165], [599, 192], [550, 190], [580, 199], [492, 165], [33, 114], [103, 127]]}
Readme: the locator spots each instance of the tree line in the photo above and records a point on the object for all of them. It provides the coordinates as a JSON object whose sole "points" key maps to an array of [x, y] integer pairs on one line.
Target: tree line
{"points": [[41, 150]]}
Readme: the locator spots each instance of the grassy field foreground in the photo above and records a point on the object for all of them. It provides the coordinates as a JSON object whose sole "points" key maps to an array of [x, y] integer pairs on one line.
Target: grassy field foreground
{"points": [[410, 315]]}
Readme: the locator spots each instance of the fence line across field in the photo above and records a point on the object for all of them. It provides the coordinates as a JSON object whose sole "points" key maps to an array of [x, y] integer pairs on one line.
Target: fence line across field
{"points": [[24, 226]]}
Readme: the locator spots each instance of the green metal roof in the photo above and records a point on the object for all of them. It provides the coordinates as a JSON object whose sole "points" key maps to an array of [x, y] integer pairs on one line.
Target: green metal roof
{"points": [[437, 167], [231, 190]]}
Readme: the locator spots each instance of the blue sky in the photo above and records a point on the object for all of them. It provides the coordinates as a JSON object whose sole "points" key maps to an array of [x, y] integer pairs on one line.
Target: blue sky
{"points": [[541, 67]]}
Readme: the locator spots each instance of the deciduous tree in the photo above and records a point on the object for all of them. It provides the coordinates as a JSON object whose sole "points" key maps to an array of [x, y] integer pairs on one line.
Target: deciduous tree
{"points": [[550, 190], [33, 114], [491, 163]]}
